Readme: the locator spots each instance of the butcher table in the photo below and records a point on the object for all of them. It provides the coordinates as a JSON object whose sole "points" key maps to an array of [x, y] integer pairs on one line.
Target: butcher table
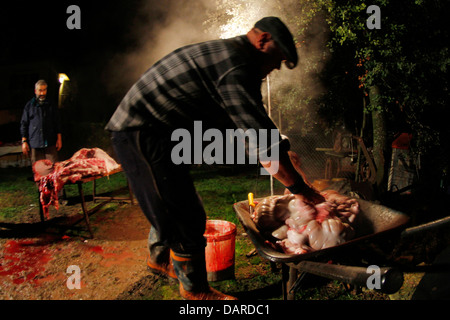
{"points": [[95, 197]]}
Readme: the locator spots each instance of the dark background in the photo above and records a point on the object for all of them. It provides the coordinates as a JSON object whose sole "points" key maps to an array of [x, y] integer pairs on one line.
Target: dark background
{"points": [[102, 59], [35, 33]]}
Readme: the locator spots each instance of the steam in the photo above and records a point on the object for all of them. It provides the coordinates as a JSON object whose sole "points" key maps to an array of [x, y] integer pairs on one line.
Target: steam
{"points": [[163, 26], [160, 27]]}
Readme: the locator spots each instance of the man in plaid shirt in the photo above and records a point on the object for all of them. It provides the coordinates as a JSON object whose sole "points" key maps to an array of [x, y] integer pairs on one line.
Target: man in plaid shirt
{"points": [[218, 83]]}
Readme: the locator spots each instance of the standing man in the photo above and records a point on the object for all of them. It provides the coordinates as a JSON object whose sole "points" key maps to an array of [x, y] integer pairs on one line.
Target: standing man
{"points": [[219, 83], [40, 126]]}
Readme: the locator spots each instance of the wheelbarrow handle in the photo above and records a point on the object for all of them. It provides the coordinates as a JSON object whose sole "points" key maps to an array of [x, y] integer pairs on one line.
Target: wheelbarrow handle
{"points": [[430, 226], [390, 279]]}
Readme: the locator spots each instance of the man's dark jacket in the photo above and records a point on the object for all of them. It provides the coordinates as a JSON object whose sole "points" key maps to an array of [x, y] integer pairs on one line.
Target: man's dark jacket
{"points": [[40, 124]]}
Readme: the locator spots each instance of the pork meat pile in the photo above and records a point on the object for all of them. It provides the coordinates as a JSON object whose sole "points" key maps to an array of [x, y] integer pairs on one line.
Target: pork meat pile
{"points": [[84, 163], [300, 227]]}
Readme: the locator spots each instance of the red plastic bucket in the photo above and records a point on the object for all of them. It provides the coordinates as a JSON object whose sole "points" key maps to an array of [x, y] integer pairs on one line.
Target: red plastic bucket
{"points": [[220, 236]]}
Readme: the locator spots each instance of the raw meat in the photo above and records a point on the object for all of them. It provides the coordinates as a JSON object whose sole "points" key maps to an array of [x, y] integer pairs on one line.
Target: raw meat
{"points": [[281, 232], [300, 214], [84, 163], [347, 207], [307, 227], [271, 212], [329, 233]]}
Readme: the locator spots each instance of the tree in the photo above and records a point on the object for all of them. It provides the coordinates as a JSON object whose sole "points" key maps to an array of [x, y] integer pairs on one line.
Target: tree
{"points": [[396, 76], [402, 68]]}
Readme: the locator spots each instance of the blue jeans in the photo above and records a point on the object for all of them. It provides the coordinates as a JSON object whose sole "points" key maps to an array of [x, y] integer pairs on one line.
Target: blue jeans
{"points": [[165, 191]]}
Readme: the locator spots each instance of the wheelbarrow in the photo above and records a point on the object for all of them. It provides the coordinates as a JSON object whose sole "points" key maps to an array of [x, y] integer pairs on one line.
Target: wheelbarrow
{"points": [[373, 223]]}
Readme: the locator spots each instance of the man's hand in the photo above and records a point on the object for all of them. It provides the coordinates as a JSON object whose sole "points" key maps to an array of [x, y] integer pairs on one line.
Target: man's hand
{"points": [[25, 148], [287, 174], [311, 196]]}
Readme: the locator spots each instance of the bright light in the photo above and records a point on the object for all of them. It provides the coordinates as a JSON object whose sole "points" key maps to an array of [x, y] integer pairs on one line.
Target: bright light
{"points": [[63, 77], [236, 26], [243, 17]]}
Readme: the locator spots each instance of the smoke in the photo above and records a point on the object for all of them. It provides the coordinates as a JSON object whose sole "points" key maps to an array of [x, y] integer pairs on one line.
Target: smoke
{"points": [[159, 28], [163, 26]]}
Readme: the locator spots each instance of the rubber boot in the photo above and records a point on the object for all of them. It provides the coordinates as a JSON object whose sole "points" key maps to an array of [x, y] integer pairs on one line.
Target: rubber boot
{"points": [[158, 259], [164, 269], [191, 273]]}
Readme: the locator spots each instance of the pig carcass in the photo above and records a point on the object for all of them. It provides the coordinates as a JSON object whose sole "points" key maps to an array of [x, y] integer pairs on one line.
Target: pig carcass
{"points": [[271, 212], [300, 227], [51, 177]]}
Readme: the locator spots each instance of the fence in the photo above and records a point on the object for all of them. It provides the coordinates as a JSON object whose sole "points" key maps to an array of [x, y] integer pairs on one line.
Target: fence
{"points": [[313, 162]]}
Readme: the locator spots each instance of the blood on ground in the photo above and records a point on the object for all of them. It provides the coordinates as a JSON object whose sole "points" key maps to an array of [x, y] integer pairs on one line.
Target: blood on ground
{"points": [[24, 261]]}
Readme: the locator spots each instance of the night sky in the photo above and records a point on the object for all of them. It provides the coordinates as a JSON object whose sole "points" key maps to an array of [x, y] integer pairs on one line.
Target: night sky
{"points": [[93, 56], [37, 29]]}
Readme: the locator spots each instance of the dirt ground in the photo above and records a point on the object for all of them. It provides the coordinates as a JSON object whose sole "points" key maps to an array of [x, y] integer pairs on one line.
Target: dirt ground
{"points": [[35, 266], [35, 259], [36, 262]]}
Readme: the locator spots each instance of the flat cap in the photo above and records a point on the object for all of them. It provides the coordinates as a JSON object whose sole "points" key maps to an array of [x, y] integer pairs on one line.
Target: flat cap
{"points": [[282, 37]]}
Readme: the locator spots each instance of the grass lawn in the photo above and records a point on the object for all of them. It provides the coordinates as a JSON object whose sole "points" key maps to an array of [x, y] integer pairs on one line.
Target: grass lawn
{"points": [[219, 188]]}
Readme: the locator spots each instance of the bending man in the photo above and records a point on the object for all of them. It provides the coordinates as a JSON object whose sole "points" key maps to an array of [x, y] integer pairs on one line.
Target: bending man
{"points": [[219, 83]]}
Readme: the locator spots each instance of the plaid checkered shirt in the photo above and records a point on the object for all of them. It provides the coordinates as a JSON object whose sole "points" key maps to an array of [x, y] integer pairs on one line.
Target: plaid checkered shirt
{"points": [[216, 82]]}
